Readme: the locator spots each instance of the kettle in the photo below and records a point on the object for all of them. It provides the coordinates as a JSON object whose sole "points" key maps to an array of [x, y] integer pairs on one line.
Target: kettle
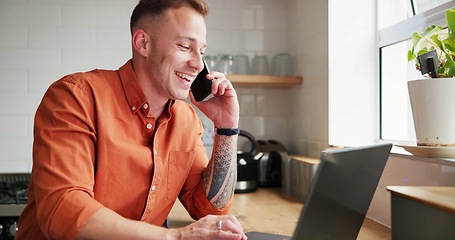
{"points": [[247, 166]]}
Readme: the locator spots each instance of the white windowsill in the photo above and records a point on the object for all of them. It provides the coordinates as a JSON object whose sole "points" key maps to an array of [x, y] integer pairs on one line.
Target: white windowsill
{"points": [[400, 152]]}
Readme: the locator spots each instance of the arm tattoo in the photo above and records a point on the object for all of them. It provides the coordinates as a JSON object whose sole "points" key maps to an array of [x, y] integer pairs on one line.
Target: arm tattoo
{"points": [[221, 173]]}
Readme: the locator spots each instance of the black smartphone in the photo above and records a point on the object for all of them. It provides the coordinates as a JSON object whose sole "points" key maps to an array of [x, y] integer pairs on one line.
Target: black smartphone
{"points": [[201, 87]]}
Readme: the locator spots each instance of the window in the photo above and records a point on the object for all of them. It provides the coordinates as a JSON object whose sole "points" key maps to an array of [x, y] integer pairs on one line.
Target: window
{"points": [[397, 20], [391, 12], [420, 6]]}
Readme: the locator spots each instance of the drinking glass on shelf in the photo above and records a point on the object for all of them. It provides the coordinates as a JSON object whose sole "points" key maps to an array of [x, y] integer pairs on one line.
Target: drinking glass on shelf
{"points": [[241, 64], [260, 65], [210, 60], [224, 64], [282, 64]]}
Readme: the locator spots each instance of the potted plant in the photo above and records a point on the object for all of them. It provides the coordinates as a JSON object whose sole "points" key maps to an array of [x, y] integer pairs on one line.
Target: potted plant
{"points": [[433, 98]]}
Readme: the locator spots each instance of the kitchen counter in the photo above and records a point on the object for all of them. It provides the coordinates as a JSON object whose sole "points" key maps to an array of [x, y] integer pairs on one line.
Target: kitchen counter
{"points": [[413, 206], [270, 210]]}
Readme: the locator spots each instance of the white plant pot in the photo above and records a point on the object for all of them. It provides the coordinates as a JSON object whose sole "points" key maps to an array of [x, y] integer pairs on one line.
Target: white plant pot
{"points": [[433, 111]]}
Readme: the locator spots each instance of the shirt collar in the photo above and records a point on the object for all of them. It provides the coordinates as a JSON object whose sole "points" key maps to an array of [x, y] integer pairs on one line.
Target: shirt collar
{"points": [[133, 92]]}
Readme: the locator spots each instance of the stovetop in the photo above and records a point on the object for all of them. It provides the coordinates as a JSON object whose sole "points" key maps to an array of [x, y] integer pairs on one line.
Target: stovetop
{"points": [[13, 193]]}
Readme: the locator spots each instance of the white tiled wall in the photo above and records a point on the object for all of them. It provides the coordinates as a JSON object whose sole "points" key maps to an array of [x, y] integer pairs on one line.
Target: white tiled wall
{"points": [[253, 27], [308, 30], [42, 40]]}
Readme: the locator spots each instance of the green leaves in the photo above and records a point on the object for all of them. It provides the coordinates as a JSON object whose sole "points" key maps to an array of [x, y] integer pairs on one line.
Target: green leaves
{"points": [[416, 37], [411, 55], [450, 18], [449, 66], [449, 42], [436, 37]]}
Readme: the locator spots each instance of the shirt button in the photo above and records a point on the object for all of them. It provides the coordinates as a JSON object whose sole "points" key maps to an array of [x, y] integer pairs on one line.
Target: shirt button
{"points": [[149, 126], [146, 106], [153, 187]]}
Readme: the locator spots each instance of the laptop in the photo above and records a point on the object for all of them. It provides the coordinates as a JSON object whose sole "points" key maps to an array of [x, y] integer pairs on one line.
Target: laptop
{"points": [[340, 194]]}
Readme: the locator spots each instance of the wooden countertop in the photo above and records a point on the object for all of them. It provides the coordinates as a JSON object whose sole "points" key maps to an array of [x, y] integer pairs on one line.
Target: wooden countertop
{"points": [[270, 210], [439, 197]]}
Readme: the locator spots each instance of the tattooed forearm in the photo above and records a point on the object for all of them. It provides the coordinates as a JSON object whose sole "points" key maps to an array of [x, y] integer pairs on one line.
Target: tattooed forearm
{"points": [[220, 175]]}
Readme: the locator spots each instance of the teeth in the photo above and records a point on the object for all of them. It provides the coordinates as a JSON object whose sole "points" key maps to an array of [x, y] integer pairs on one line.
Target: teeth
{"points": [[185, 76]]}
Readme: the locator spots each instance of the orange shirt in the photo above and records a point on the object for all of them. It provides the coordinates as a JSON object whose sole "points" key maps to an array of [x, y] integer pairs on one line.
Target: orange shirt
{"points": [[95, 146]]}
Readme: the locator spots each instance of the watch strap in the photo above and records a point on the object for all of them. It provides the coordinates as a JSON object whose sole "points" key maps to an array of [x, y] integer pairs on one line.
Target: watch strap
{"points": [[227, 131]]}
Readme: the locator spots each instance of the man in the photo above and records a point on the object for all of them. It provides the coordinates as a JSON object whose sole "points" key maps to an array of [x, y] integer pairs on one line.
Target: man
{"points": [[114, 149]]}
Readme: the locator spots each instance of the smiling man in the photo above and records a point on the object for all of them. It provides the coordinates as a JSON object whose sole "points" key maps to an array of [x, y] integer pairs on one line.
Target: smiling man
{"points": [[113, 150]]}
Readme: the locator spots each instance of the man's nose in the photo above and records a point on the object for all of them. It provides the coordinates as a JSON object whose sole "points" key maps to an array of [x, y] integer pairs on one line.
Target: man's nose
{"points": [[197, 62]]}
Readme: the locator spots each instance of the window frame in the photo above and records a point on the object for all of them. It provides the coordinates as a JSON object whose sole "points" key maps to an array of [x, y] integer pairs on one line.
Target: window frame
{"points": [[403, 31]]}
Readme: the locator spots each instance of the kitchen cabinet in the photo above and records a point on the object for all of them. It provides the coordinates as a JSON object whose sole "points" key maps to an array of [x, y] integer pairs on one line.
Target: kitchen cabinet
{"points": [[265, 80], [422, 212]]}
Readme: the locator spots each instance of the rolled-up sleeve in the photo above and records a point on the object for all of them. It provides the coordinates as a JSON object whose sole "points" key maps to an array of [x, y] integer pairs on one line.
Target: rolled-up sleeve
{"points": [[64, 160]]}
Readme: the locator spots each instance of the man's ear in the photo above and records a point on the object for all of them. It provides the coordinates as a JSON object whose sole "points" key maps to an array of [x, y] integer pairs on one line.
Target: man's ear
{"points": [[141, 41]]}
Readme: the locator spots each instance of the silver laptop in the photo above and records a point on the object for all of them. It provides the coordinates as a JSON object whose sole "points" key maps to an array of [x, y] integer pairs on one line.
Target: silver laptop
{"points": [[340, 194]]}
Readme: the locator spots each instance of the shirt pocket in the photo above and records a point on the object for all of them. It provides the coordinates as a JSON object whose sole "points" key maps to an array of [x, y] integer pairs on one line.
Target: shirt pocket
{"points": [[179, 166]]}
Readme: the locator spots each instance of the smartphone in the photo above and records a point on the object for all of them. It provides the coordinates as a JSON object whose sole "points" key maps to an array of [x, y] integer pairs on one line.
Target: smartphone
{"points": [[201, 87]]}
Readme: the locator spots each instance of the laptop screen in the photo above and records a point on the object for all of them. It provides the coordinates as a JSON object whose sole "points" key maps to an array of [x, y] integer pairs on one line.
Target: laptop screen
{"points": [[341, 192]]}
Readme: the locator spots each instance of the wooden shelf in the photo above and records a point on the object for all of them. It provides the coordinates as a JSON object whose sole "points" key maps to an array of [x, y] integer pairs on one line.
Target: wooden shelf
{"points": [[264, 80]]}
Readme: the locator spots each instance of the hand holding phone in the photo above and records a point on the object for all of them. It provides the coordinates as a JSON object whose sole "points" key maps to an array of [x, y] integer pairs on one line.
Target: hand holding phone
{"points": [[201, 87]]}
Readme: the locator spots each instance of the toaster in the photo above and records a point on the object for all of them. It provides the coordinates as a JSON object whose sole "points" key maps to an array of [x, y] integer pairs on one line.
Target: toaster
{"points": [[269, 167]]}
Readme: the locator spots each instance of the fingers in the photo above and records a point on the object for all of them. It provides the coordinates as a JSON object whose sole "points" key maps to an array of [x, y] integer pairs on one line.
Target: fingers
{"points": [[229, 224], [227, 236], [219, 83], [225, 227]]}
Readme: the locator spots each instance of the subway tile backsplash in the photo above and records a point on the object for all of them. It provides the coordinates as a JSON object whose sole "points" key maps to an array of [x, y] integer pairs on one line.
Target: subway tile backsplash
{"points": [[43, 40]]}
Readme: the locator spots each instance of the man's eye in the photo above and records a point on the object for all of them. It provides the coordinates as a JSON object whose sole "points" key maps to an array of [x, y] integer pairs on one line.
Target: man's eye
{"points": [[185, 47]]}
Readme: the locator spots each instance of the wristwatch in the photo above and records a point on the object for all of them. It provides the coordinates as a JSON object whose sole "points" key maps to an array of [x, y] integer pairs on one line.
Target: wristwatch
{"points": [[227, 131]]}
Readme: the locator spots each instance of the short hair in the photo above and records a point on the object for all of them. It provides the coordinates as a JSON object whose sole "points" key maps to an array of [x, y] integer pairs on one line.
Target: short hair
{"points": [[156, 7]]}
